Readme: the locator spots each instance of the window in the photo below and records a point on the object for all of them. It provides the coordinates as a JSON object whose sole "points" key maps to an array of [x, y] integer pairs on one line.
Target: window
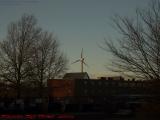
{"points": [[99, 83], [120, 84], [85, 91], [85, 82], [126, 84], [92, 82], [69, 91], [133, 84], [106, 83]]}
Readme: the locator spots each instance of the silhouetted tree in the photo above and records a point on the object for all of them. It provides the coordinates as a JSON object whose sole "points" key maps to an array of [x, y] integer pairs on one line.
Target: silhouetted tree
{"points": [[28, 54], [137, 52], [48, 60], [16, 51]]}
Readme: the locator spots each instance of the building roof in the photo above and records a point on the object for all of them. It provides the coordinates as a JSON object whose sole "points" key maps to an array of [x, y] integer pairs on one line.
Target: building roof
{"points": [[76, 75]]}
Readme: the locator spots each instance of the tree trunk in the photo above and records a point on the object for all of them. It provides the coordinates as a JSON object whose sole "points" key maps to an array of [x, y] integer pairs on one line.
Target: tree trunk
{"points": [[40, 90], [18, 91]]}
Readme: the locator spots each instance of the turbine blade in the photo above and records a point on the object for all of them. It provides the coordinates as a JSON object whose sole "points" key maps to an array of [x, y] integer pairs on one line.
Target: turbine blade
{"points": [[76, 61], [82, 53], [85, 64]]}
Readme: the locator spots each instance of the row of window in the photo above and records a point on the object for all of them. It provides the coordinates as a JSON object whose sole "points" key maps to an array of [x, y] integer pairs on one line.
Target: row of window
{"points": [[120, 84]]}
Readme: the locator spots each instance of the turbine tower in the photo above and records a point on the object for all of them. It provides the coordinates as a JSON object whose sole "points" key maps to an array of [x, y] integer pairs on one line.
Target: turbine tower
{"points": [[81, 60]]}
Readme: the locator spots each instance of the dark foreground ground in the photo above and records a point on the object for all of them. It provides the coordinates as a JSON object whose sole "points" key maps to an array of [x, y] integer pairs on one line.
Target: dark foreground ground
{"points": [[72, 116], [19, 110]]}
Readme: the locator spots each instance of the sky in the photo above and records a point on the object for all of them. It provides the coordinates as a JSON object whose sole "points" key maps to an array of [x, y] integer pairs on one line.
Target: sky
{"points": [[76, 24]]}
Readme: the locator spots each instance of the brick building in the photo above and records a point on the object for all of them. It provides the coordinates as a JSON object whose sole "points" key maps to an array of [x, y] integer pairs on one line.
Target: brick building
{"points": [[80, 90]]}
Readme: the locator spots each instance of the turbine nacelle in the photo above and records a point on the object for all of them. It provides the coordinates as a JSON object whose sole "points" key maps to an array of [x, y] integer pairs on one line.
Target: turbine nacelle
{"points": [[81, 60]]}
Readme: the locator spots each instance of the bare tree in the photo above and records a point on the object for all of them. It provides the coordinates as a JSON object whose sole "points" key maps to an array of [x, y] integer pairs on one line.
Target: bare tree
{"points": [[48, 60], [29, 54], [16, 51], [137, 52]]}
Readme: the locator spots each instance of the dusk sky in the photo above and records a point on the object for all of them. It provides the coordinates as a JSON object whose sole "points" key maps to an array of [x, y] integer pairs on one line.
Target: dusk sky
{"points": [[77, 24]]}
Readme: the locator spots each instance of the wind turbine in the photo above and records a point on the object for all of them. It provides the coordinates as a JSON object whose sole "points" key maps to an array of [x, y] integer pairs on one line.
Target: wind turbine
{"points": [[81, 60]]}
